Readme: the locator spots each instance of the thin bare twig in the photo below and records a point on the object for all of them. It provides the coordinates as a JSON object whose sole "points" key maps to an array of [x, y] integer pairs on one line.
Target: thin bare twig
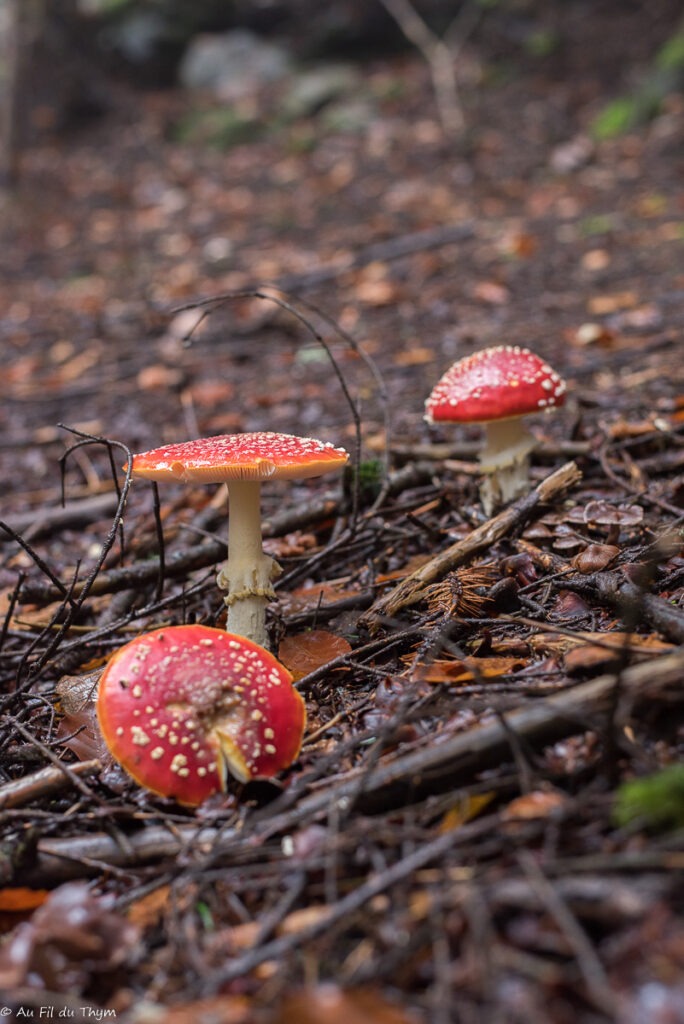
{"points": [[440, 61]]}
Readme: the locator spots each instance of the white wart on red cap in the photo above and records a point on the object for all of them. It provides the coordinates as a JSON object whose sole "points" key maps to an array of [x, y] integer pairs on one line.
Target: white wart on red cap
{"points": [[496, 383], [178, 707]]}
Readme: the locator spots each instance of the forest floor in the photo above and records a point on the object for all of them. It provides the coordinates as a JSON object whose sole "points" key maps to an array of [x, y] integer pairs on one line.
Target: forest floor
{"points": [[458, 840]]}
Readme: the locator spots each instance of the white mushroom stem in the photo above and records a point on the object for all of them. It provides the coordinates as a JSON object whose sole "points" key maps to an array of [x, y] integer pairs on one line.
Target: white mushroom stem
{"points": [[248, 573], [505, 462]]}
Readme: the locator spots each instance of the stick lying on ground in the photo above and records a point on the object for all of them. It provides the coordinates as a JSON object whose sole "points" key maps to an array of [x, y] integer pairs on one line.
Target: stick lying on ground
{"points": [[411, 589]]}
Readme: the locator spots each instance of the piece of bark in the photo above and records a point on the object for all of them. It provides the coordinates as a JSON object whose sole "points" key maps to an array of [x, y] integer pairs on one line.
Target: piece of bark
{"points": [[412, 589]]}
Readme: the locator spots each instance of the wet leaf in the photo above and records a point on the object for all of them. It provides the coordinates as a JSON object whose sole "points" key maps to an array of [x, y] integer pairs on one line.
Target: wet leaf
{"points": [[306, 598], [21, 899], [292, 545], [228, 1009], [148, 910], [540, 803], [454, 671], [305, 652], [338, 1006], [589, 655], [78, 728], [600, 305]]}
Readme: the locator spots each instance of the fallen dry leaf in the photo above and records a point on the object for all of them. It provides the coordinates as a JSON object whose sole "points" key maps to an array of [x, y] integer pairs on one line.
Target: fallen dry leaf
{"points": [[305, 652], [305, 598], [539, 804], [454, 670], [334, 1005], [589, 655], [148, 910], [229, 1009], [601, 305], [79, 729], [465, 811], [20, 899]]}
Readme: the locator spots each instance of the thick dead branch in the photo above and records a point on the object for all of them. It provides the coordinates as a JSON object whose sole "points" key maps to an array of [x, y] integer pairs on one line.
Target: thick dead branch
{"points": [[50, 520], [628, 599], [43, 783], [411, 589]]}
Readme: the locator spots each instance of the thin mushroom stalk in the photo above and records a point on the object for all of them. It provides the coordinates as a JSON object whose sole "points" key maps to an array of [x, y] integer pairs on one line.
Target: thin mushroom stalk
{"points": [[505, 462], [243, 462], [248, 573]]}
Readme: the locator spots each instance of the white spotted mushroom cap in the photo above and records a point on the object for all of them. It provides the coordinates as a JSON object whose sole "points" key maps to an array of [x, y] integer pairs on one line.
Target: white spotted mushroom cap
{"points": [[494, 384], [249, 456], [178, 707]]}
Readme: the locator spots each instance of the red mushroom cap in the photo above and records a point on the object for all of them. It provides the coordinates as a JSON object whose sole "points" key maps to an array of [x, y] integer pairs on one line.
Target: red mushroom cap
{"points": [[178, 706], [495, 384], [226, 457]]}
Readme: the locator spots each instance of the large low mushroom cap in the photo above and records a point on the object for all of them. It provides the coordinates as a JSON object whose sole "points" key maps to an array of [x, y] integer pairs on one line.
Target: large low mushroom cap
{"points": [[178, 706], [249, 456], [495, 384]]}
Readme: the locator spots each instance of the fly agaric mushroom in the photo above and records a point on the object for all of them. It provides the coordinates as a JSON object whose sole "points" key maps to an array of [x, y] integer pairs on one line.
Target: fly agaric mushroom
{"points": [[243, 461], [497, 387], [181, 707]]}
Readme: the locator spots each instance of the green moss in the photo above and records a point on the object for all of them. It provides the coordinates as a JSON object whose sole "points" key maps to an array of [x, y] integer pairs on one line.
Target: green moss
{"points": [[671, 55], [656, 801], [221, 127]]}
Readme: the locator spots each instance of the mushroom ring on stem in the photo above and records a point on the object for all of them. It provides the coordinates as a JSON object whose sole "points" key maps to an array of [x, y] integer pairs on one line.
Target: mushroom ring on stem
{"points": [[180, 708], [243, 462], [497, 387]]}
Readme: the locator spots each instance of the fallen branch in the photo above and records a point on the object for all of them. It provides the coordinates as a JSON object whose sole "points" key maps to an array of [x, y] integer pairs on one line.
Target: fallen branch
{"points": [[42, 783], [411, 589], [627, 598]]}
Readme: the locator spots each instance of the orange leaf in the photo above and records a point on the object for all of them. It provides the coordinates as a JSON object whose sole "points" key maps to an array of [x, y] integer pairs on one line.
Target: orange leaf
{"points": [[334, 1005], [467, 670], [148, 911], [305, 652], [466, 810], [21, 899], [538, 804], [602, 305], [228, 1009], [415, 356], [305, 598]]}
